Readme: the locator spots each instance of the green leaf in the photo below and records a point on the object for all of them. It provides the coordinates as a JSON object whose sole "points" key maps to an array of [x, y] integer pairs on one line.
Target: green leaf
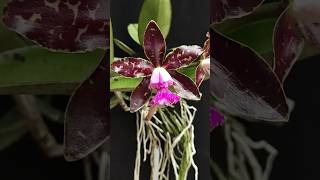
{"points": [[34, 70], [255, 30], [12, 128], [157, 10], [124, 47], [133, 32]]}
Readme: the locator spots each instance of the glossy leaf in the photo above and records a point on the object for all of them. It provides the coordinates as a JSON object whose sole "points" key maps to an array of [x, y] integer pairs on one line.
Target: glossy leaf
{"points": [[79, 25], [133, 32], [288, 44], [39, 71], [86, 119], [132, 67], [307, 13], [124, 47], [157, 10], [154, 44], [184, 86], [226, 9], [182, 56], [121, 83], [243, 84], [140, 95]]}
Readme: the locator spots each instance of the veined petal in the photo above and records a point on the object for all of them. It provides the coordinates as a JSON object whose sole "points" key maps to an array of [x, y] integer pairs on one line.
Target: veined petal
{"points": [[140, 95], [154, 44], [182, 56], [184, 86], [132, 67]]}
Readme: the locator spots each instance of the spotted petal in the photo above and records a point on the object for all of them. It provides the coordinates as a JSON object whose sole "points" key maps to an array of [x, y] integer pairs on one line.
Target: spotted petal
{"points": [[225, 9], [184, 86], [243, 84], [87, 117], [154, 44], [182, 56], [288, 44], [132, 67], [70, 26], [140, 95]]}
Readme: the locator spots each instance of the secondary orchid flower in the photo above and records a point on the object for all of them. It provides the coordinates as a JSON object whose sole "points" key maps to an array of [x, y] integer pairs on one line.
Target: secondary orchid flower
{"points": [[216, 118], [159, 71], [203, 68]]}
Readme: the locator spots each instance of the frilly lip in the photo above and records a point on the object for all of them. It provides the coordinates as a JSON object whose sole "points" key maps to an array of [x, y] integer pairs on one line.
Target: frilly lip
{"points": [[164, 97]]}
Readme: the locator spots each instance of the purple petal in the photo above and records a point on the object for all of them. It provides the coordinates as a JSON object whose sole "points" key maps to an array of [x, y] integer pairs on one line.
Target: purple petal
{"points": [[154, 44], [184, 86], [86, 118], [225, 9], [164, 97], [288, 44], [243, 84], [132, 67], [140, 95], [61, 25], [216, 118], [182, 56], [307, 13]]}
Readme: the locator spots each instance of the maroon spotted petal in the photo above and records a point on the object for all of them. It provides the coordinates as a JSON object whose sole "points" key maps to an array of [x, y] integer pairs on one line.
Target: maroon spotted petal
{"points": [[154, 44], [140, 95], [132, 67], [225, 9], [307, 13], [200, 75], [182, 56], [243, 84], [184, 86], [86, 119], [288, 44], [65, 25]]}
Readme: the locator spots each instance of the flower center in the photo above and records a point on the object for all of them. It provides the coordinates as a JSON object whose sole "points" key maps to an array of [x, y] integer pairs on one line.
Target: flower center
{"points": [[160, 79]]}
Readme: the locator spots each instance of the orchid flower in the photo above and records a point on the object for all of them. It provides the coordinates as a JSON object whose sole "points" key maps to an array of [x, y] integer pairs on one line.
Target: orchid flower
{"points": [[203, 68], [159, 72]]}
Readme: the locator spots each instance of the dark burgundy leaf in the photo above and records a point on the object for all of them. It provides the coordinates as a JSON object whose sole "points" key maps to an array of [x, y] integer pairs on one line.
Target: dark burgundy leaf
{"points": [[132, 67], [182, 56], [184, 86], [225, 9], [288, 44], [77, 25], [140, 95], [200, 75], [307, 13], [86, 118], [243, 84], [154, 44]]}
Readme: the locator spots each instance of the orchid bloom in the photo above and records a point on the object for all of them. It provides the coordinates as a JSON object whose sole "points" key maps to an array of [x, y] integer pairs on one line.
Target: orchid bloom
{"points": [[203, 68], [159, 71]]}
